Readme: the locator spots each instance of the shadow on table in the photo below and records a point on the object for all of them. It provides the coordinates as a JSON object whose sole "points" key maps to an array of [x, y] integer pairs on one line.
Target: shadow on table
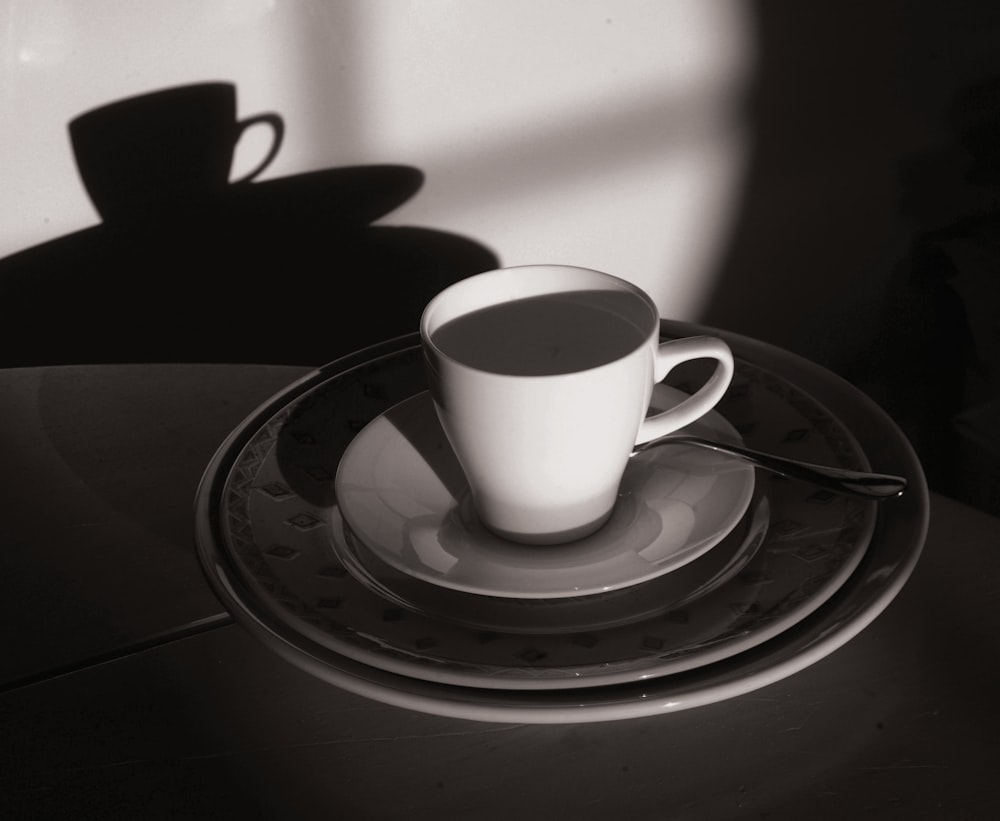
{"points": [[190, 267]]}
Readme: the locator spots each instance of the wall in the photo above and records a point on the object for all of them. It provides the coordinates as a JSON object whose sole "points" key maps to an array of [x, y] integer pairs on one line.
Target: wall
{"points": [[822, 176], [599, 133]]}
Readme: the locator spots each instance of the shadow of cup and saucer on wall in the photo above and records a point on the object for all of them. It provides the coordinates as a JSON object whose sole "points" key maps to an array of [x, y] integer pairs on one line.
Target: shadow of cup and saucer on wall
{"points": [[188, 265]]}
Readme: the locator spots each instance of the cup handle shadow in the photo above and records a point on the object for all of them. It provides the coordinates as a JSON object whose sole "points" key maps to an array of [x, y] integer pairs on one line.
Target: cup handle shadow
{"points": [[277, 125]]}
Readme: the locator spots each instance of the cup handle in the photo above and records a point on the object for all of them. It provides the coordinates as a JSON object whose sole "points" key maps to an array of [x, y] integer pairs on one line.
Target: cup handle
{"points": [[277, 125], [671, 354]]}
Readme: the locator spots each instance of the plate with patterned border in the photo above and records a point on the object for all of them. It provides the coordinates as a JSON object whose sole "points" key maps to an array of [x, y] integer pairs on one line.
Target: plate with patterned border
{"points": [[275, 515], [894, 550]]}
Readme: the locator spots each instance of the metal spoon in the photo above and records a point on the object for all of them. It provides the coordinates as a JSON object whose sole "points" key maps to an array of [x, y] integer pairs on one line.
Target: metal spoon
{"points": [[872, 485]]}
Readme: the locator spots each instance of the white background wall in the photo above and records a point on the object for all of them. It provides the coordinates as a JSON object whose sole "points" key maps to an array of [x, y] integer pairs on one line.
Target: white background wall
{"points": [[602, 133]]}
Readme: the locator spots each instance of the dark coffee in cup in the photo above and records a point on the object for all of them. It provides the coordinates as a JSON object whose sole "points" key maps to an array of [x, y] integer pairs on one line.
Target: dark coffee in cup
{"points": [[546, 334]]}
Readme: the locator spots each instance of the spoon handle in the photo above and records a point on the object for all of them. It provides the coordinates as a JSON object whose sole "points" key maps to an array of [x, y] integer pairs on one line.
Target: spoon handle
{"points": [[872, 485]]}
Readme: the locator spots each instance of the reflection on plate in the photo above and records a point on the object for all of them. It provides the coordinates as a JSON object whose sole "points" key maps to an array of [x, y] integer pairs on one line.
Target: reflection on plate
{"points": [[265, 537], [401, 490]]}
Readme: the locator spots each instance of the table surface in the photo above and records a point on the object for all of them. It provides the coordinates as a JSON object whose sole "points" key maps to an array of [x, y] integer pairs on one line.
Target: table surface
{"points": [[126, 689]]}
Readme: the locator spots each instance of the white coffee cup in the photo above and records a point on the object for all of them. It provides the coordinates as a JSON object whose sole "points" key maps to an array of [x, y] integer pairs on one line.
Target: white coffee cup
{"points": [[542, 377]]}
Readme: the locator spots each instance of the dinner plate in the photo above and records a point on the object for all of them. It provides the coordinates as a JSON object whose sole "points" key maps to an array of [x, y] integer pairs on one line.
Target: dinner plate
{"points": [[402, 492], [265, 536], [893, 552]]}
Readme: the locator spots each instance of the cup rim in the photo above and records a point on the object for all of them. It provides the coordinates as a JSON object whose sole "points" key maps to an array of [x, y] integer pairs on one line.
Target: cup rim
{"points": [[538, 269]]}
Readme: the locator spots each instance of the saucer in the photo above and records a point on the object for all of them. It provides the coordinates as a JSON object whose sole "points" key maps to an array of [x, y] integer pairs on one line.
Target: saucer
{"points": [[403, 494], [562, 615]]}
